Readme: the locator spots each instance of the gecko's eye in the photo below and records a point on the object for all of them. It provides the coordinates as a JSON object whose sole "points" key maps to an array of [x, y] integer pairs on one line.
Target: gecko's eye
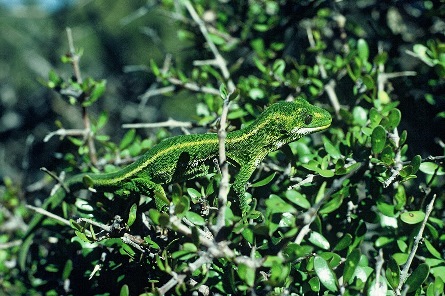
{"points": [[308, 119]]}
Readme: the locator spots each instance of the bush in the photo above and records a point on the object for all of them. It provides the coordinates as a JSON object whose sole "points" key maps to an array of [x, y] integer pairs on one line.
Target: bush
{"points": [[352, 210]]}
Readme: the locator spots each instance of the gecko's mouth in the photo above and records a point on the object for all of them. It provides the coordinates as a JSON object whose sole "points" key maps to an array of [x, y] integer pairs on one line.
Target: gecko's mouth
{"points": [[307, 130]]}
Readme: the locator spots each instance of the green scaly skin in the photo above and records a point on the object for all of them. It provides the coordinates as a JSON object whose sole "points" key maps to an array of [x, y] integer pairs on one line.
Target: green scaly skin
{"points": [[185, 157]]}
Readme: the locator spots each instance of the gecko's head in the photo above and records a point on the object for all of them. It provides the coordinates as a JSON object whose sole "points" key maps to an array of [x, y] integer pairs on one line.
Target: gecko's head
{"points": [[293, 120]]}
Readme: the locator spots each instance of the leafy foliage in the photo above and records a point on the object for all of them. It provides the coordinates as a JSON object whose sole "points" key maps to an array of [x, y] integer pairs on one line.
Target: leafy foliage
{"points": [[351, 211]]}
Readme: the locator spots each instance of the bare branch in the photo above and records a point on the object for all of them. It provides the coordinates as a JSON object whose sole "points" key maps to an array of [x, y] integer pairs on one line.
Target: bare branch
{"points": [[86, 121], [224, 185], [404, 273], [170, 123], [218, 57], [330, 86], [49, 214]]}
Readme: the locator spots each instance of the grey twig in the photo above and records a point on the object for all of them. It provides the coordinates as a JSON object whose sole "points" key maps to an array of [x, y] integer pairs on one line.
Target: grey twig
{"points": [[224, 185], [86, 120], [170, 123], [49, 214], [330, 86], [419, 236], [218, 57]]}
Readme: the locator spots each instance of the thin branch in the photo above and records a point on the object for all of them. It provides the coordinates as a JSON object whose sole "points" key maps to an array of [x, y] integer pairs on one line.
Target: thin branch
{"points": [[218, 57], [224, 185], [193, 86], [66, 132], [151, 92], [330, 86], [11, 244], [170, 123], [417, 241], [49, 214], [74, 57], [86, 121]]}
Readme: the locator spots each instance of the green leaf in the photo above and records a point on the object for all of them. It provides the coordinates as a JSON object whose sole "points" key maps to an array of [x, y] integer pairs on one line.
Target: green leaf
{"points": [[393, 273], [351, 263], [416, 279], [127, 139], [259, 65], [400, 198], [278, 67], [387, 155], [378, 139], [102, 120], [331, 149], [400, 258], [194, 194], [415, 163], [325, 274], [247, 274], [332, 205], [360, 115], [319, 240], [314, 283], [276, 205], [363, 49], [368, 82], [374, 117], [132, 214], [394, 118], [433, 251], [297, 198], [67, 269], [412, 217], [265, 181], [154, 67], [344, 242], [383, 97], [430, 168], [406, 171], [96, 93], [125, 291], [223, 91], [325, 173], [195, 218]]}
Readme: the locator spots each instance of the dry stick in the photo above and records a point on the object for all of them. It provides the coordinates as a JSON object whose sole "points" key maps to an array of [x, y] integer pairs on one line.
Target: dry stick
{"points": [[221, 63], [170, 123], [406, 267], [86, 121], [66, 132], [330, 86], [224, 185], [193, 86], [49, 214], [218, 57]]}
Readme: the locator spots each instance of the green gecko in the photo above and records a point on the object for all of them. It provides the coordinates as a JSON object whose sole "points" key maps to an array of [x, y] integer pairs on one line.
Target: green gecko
{"points": [[185, 157]]}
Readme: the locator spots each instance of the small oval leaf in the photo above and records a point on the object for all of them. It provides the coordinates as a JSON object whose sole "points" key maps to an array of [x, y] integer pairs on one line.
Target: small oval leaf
{"points": [[393, 273], [351, 263], [412, 217], [265, 181], [325, 274], [132, 214], [319, 240], [417, 278], [378, 139]]}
